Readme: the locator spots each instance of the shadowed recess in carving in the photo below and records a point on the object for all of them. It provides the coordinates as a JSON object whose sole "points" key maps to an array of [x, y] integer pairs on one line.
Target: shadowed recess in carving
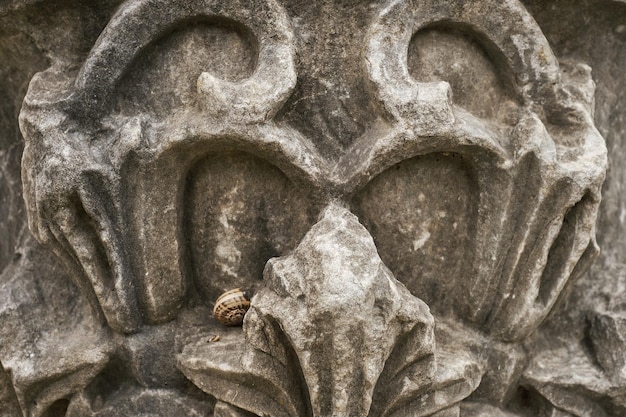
{"points": [[87, 236], [525, 194], [174, 62], [273, 350], [20, 61], [87, 253], [528, 402], [559, 265], [409, 366], [57, 409], [239, 212], [114, 392], [108, 382], [477, 72], [420, 213]]}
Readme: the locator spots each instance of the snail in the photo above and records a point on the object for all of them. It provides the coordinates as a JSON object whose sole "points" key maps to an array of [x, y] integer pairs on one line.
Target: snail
{"points": [[231, 306]]}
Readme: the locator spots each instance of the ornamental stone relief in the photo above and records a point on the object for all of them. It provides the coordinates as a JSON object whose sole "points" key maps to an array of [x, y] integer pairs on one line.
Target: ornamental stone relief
{"points": [[407, 191]]}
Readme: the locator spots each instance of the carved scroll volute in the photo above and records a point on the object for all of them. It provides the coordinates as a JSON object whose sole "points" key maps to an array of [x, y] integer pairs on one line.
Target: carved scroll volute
{"points": [[107, 197], [538, 183], [140, 22]]}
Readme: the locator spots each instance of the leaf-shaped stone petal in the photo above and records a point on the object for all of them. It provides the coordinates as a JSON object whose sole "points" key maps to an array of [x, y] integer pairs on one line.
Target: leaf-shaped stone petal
{"points": [[342, 311]]}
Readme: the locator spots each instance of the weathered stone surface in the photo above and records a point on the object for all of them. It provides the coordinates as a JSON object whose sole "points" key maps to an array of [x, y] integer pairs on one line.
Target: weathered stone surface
{"points": [[449, 412], [501, 364], [8, 398], [608, 336], [226, 410], [299, 320], [52, 346], [134, 402], [336, 273], [419, 181], [569, 380], [476, 409]]}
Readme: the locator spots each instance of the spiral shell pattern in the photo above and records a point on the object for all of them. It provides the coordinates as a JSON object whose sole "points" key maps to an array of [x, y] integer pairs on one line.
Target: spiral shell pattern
{"points": [[231, 307]]}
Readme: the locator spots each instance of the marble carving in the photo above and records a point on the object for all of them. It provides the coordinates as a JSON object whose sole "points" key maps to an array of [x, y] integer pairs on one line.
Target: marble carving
{"points": [[400, 265]]}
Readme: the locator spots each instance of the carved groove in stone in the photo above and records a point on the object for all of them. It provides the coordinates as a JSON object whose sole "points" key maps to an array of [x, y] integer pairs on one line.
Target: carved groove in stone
{"points": [[133, 27], [524, 46]]}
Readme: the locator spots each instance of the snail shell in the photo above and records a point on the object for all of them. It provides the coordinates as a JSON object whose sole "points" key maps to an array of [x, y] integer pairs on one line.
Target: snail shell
{"points": [[231, 306]]}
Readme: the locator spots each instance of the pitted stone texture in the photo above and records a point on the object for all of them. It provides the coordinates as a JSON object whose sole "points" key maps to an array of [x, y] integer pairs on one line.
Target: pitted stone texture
{"points": [[216, 368], [241, 211]]}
